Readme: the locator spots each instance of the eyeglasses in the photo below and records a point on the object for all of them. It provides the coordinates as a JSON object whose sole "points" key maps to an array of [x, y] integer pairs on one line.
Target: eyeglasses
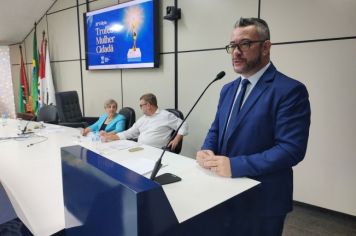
{"points": [[144, 104], [244, 45]]}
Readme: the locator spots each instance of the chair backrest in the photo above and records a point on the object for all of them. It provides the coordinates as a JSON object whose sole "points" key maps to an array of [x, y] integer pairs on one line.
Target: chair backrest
{"points": [[68, 106], [130, 116], [25, 116], [48, 114], [180, 115]]}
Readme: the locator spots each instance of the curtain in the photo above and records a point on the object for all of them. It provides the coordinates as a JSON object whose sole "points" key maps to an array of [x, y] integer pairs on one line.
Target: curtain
{"points": [[7, 102]]}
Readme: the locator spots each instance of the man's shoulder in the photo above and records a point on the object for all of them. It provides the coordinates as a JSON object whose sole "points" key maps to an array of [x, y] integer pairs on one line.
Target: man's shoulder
{"points": [[166, 114], [230, 85], [284, 81], [163, 111]]}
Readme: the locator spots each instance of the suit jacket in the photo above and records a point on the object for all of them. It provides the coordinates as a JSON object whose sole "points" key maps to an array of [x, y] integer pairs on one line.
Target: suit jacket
{"points": [[267, 138], [117, 124]]}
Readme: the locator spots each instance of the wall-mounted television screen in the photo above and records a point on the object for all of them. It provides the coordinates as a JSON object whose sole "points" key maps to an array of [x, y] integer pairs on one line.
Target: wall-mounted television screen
{"points": [[123, 36]]}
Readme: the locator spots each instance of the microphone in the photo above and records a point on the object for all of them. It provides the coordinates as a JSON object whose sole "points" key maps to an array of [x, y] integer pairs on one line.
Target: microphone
{"points": [[28, 122], [168, 178]]}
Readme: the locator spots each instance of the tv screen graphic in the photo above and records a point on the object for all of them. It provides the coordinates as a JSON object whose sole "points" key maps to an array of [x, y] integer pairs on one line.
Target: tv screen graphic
{"points": [[123, 36]]}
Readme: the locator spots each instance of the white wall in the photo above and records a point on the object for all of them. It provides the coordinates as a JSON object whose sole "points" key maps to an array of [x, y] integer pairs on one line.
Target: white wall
{"points": [[325, 177]]}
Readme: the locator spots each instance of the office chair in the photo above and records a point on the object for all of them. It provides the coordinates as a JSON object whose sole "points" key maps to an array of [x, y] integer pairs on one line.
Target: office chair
{"points": [[25, 116], [180, 115], [48, 114], [130, 116], [69, 110]]}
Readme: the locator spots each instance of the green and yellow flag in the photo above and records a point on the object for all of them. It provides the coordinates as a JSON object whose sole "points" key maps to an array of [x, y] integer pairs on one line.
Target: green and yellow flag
{"points": [[34, 84], [23, 87]]}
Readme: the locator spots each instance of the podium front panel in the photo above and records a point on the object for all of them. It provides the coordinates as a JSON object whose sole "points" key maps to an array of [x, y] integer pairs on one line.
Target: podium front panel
{"points": [[102, 197]]}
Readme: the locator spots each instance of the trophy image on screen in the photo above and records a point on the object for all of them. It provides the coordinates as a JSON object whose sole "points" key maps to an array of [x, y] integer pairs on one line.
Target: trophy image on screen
{"points": [[134, 18]]}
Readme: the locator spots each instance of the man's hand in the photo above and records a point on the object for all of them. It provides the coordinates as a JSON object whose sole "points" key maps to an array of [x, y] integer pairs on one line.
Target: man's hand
{"points": [[173, 144], [204, 155], [220, 165]]}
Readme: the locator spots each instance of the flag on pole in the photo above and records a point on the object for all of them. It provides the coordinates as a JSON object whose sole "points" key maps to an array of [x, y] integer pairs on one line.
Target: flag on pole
{"points": [[34, 82], [46, 92], [23, 87], [50, 92], [41, 74]]}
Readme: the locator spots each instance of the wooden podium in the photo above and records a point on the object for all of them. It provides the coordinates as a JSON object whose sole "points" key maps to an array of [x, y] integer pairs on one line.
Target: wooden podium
{"points": [[102, 197]]}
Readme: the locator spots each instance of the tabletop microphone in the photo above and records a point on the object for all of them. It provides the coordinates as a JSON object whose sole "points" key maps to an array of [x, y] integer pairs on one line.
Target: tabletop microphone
{"points": [[168, 178], [28, 122]]}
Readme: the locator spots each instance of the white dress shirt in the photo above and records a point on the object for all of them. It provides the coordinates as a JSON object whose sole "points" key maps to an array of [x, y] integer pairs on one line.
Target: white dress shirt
{"points": [[155, 130], [253, 79]]}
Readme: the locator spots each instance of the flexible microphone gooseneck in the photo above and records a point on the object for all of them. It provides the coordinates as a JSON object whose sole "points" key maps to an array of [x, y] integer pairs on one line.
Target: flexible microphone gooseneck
{"points": [[168, 178], [28, 122], [40, 141]]}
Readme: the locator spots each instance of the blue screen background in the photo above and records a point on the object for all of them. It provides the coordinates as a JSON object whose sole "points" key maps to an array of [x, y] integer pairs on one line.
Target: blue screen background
{"points": [[123, 40]]}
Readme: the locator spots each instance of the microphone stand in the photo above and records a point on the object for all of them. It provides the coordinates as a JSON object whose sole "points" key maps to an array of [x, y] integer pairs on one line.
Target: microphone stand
{"points": [[25, 128], [169, 178]]}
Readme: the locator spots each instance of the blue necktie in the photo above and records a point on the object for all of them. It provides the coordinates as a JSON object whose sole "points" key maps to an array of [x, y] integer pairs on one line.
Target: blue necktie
{"points": [[240, 98], [237, 105]]}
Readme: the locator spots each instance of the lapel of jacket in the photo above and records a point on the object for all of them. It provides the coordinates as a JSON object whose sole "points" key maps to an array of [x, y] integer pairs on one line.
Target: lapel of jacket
{"points": [[227, 106], [102, 121], [251, 100], [110, 124]]}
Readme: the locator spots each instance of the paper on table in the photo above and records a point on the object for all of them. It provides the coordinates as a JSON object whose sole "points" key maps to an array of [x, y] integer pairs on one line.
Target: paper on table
{"points": [[139, 165], [51, 129], [123, 144]]}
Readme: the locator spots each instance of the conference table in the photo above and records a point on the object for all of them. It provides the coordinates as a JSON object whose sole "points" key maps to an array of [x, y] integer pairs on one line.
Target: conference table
{"points": [[31, 174]]}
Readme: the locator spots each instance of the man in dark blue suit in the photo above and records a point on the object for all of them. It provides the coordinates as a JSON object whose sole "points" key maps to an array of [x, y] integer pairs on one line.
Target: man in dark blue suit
{"points": [[261, 127]]}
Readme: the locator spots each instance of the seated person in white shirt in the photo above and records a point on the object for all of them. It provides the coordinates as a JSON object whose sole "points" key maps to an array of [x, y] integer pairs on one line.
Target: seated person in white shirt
{"points": [[154, 128]]}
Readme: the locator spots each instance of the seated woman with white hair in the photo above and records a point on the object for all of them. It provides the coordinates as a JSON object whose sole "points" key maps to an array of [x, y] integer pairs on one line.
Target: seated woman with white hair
{"points": [[109, 122]]}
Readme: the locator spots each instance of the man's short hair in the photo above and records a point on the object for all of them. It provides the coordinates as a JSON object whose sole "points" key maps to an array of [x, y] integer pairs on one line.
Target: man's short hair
{"points": [[149, 98], [261, 26]]}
